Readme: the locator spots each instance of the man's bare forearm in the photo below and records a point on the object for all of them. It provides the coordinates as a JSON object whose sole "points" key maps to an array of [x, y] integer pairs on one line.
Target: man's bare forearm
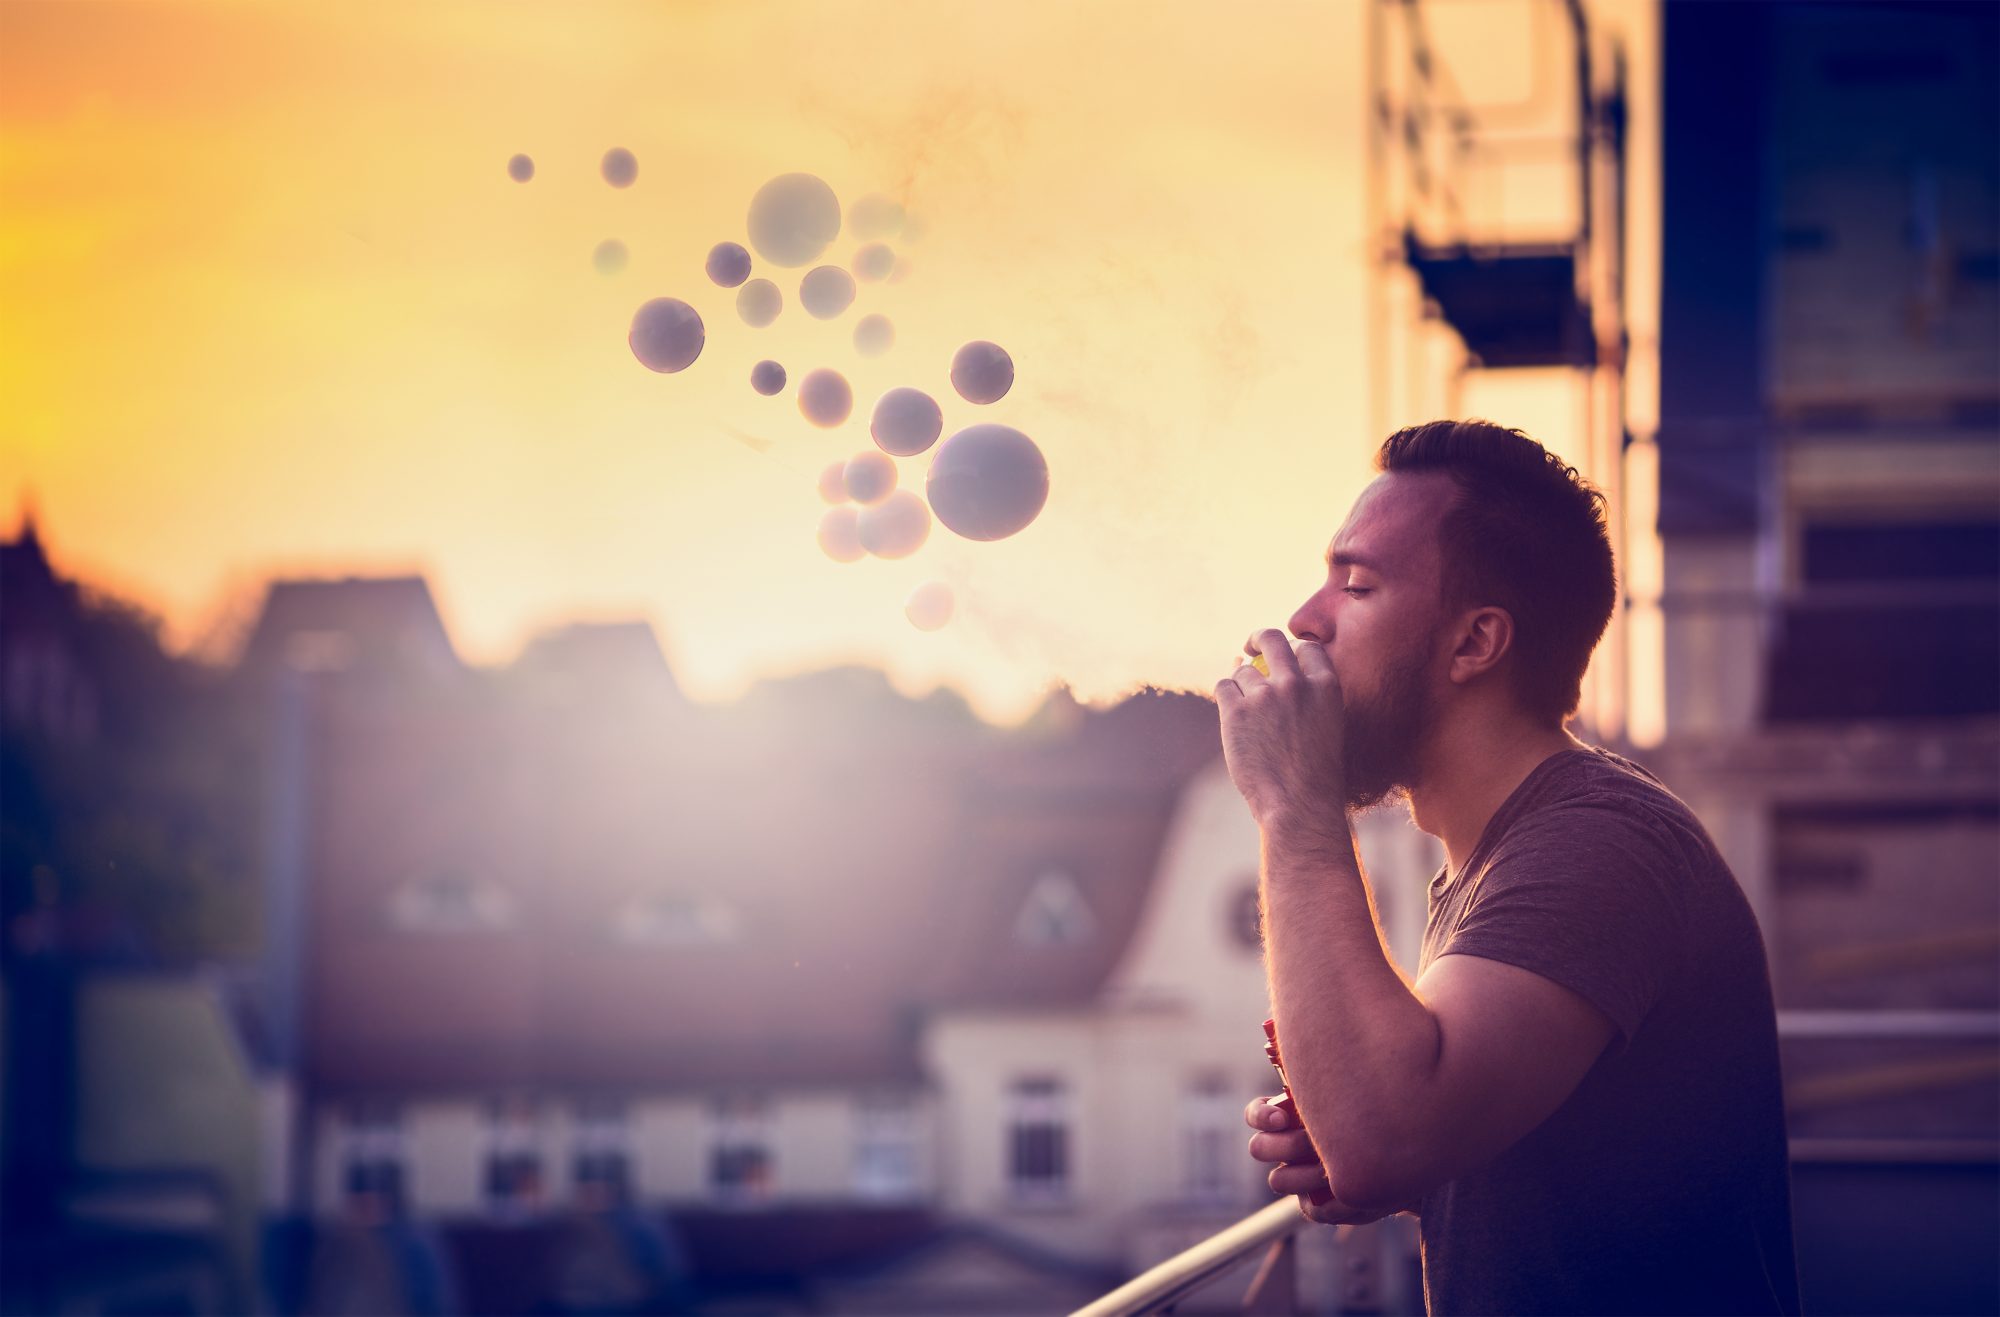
{"points": [[1359, 1047]]}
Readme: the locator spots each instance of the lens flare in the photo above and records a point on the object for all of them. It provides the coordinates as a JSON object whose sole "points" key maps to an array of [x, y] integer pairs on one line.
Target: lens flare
{"points": [[825, 398], [666, 335], [987, 482], [793, 218], [728, 264]]}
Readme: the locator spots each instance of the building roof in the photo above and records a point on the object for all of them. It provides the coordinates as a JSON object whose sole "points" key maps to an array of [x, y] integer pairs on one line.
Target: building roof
{"points": [[367, 625]]}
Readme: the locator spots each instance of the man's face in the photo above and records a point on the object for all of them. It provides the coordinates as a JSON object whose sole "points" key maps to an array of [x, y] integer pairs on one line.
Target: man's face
{"points": [[1378, 614]]}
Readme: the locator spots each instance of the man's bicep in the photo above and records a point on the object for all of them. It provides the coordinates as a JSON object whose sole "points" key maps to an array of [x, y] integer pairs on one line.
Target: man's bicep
{"points": [[1512, 1047]]}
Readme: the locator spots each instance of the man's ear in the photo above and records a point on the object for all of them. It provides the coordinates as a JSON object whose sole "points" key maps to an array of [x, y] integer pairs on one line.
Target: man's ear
{"points": [[1484, 637]]}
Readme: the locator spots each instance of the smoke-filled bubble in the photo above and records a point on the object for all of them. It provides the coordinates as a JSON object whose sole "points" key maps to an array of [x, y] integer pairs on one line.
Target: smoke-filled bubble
{"points": [[792, 219], [930, 605], [987, 482], [906, 422], [833, 483], [874, 335], [982, 372], [520, 169], [728, 264], [767, 377], [825, 398], [610, 256], [869, 476], [826, 291], [840, 534], [759, 302], [873, 263], [619, 167], [896, 527], [875, 216], [666, 335]]}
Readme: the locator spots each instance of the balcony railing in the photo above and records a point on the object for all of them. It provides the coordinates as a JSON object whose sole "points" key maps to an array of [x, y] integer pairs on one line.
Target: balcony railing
{"points": [[1159, 1288]]}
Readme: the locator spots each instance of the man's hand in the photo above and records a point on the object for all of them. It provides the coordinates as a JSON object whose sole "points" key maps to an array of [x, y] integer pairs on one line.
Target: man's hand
{"points": [[1281, 1139], [1281, 735]]}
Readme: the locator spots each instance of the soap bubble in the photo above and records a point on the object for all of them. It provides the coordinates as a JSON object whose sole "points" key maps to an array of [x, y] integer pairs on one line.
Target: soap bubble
{"points": [[728, 264], [982, 372], [792, 219], [666, 335], [873, 263], [520, 169], [759, 302], [874, 335], [875, 216], [767, 377], [833, 483], [906, 422], [840, 534], [825, 398], [620, 167], [610, 256], [987, 482], [869, 476], [930, 605], [826, 291], [896, 527]]}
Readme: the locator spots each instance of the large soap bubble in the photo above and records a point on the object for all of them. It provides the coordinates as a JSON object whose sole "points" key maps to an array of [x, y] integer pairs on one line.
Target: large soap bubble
{"points": [[792, 219], [982, 372], [825, 398], [833, 483], [759, 302], [619, 167], [666, 335], [767, 377], [520, 169], [874, 335], [875, 216], [906, 422], [840, 534], [987, 482], [930, 605], [610, 256], [869, 476], [896, 527], [873, 263], [728, 264], [826, 291]]}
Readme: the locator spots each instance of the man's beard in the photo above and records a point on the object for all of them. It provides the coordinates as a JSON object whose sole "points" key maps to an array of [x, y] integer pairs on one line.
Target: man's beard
{"points": [[1382, 740]]}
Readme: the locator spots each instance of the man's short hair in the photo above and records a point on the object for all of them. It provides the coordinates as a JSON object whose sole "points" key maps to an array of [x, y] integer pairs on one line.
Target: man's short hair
{"points": [[1528, 534]]}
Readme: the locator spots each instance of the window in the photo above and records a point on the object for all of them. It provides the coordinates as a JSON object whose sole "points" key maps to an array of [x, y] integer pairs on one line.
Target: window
{"points": [[450, 902], [1054, 913], [513, 1155], [1210, 1149], [676, 921], [740, 1166], [1038, 1131], [601, 1160], [885, 1147], [371, 1156]]}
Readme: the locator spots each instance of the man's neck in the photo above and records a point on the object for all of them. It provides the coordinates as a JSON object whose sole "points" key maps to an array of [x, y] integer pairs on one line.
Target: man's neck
{"points": [[1470, 776]]}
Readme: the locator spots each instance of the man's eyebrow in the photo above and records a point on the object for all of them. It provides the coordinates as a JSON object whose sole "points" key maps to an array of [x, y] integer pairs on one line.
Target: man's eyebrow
{"points": [[1343, 558]]}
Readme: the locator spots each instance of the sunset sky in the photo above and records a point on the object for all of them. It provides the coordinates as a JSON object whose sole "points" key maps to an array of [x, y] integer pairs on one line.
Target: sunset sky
{"points": [[273, 306]]}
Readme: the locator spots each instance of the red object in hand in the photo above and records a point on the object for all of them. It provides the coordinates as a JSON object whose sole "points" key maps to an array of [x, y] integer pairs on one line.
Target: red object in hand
{"points": [[1320, 1197]]}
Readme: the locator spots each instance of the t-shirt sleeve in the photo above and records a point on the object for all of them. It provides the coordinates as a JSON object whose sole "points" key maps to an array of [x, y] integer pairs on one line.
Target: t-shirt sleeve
{"points": [[1592, 896]]}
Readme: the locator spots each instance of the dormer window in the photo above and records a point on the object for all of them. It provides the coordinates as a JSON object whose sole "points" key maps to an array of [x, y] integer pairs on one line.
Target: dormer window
{"points": [[451, 902], [676, 921], [1054, 914]]}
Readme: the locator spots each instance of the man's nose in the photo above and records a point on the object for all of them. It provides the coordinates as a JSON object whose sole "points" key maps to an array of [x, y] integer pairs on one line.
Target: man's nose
{"points": [[1312, 623]]}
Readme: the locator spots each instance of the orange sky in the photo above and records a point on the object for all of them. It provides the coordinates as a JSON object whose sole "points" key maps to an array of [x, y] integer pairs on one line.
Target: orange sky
{"points": [[273, 306]]}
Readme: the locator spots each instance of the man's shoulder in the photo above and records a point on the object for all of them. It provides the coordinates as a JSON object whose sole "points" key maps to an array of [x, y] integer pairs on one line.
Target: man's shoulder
{"points": [[1592, 794]]}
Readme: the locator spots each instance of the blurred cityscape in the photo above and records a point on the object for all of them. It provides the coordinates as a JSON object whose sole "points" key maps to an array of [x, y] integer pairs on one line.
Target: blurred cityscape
{"points": [[346, 977]]}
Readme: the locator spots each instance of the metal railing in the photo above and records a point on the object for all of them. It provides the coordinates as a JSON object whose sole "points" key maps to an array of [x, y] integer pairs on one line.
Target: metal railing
{"points": [[1158, 1288]]}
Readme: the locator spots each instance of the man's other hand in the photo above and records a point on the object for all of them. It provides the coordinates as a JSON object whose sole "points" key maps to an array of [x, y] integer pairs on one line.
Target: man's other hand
{"points": [[1282, 1140]]}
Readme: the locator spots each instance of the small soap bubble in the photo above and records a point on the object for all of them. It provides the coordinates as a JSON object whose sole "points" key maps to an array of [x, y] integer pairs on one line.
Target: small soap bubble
{"points": [[874, 335], [840, 534], [520, 169], [906, 422], [930, 605], [873, 263], [982, 372], [666, 335], [896, 527], [619, 167], [767, 377], [875, 216], [987, 482], [825, 398], [759, 302], [728, 264], [826, 291], [793, 218], [869, 476], [833, 483], [610, 256]]}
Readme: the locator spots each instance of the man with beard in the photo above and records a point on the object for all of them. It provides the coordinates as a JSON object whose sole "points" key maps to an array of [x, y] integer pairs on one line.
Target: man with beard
{"points": [[1578, 1094]]}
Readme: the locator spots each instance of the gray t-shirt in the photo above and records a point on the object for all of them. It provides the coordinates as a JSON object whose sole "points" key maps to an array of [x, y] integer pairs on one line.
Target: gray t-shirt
{"points": [[1662, 1184]]}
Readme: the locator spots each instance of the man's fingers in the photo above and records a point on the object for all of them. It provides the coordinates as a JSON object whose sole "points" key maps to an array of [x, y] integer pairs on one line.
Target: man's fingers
{"points": [[1291, 1146], [1276, 649], [1313, 659], [1264, 1113], [1297, 1179]]}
